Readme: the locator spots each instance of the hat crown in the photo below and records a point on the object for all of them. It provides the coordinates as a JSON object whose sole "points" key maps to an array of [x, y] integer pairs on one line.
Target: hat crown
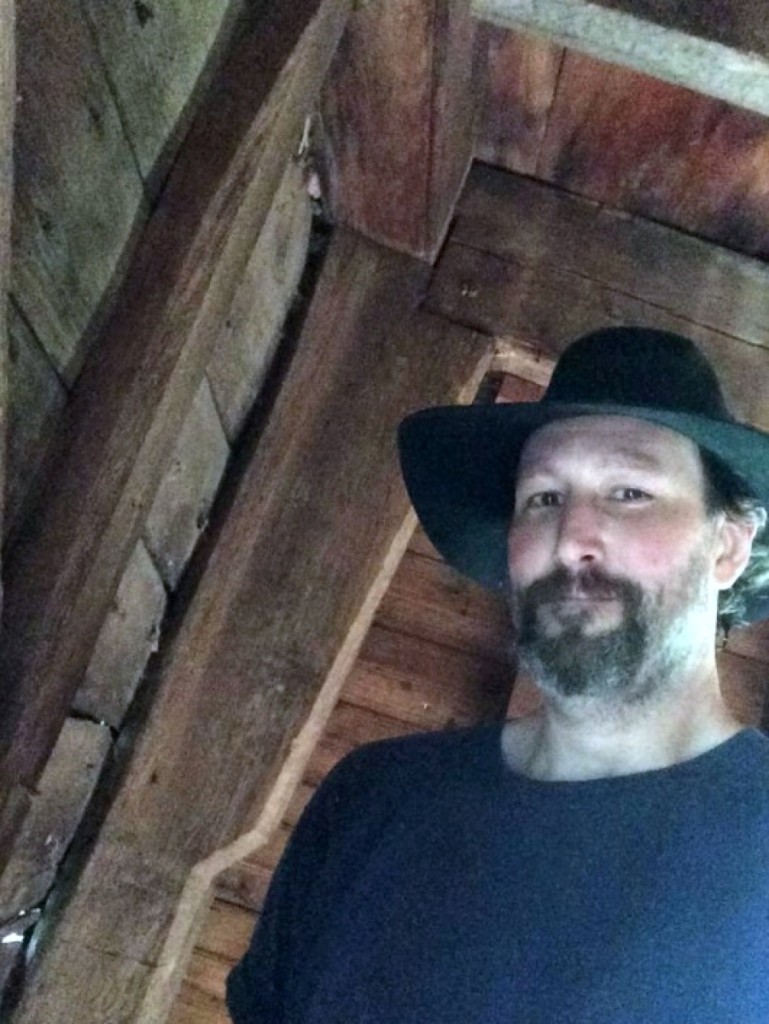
{"points": [[636, 366]]}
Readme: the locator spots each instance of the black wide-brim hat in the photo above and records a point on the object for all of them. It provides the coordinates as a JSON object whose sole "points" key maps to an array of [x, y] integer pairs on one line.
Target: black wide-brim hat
{"points": [[459, 462]]}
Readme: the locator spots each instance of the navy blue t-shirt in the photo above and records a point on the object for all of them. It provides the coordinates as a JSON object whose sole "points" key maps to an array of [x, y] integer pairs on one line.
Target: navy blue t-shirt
{"points": [[427, 882]]}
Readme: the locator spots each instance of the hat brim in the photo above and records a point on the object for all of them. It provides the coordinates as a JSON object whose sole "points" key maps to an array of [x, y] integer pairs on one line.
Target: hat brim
{"points": [[459, 465]]}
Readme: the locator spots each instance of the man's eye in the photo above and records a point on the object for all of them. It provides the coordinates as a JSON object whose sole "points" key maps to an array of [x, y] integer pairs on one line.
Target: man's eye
{"points": [[544, 499], [630, 494]]}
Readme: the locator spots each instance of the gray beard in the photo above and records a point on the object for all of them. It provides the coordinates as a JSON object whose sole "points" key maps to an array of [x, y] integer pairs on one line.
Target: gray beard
{"points": [[630, 663]]}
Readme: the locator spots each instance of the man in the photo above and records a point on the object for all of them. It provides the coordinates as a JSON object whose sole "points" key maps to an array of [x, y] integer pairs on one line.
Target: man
{"points": [[605, 859]]}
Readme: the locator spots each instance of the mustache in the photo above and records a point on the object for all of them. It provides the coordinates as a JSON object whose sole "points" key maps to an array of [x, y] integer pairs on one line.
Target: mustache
{"points": [[562, 584]]}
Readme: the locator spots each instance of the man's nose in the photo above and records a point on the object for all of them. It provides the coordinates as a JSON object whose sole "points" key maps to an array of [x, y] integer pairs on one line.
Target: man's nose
{"points": [[580, 533]]}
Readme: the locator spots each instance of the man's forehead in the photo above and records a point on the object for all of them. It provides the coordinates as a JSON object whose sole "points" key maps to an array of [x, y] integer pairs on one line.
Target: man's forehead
{"points": [[621, 438]]}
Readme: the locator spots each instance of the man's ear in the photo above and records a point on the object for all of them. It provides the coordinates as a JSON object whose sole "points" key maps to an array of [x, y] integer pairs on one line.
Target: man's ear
{"points": [[735, 540]]}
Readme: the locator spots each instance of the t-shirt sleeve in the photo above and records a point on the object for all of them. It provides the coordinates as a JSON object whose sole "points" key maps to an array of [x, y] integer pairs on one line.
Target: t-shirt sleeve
{"points": [[256, 987]]}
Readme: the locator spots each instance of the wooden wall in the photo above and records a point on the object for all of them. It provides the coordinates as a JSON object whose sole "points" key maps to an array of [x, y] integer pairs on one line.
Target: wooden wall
{"points": [[625, 139], [98, 121], [436, 656]]}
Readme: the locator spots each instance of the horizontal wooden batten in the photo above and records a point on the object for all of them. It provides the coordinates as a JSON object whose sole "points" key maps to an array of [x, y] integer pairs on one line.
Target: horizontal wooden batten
{"points": [[723, 54], [532, 223], [132, 398], [315, 529]]}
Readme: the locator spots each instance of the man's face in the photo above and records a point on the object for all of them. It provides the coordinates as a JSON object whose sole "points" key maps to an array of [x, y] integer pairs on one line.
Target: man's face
{"points": [[610, 556]]}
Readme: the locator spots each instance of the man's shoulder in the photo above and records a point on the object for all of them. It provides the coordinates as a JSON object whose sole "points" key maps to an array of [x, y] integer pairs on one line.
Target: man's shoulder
{"points": [[421, 760]]}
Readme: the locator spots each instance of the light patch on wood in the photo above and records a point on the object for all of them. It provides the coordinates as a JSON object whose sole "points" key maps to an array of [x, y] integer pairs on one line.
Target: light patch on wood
{"points": [[78, 192], [521, 360], [700, 64], [129, 635], [180, 510], [63, 794], [158, 55], [252, 328]]}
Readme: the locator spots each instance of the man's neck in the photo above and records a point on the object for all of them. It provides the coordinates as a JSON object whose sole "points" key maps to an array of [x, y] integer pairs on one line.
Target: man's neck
{"points": [[576, 738]]}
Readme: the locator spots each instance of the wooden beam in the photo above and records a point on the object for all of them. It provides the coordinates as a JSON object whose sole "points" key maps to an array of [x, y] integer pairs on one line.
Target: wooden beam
{"points": [[721, 50], [539, 266], [315, 530], [399, 116], [132, 398], [7, 108]]}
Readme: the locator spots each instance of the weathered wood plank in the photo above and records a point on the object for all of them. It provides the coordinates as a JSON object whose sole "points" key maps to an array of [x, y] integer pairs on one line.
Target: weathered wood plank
{"points": [[183, 501], [521, 77], [78, 191], [533, 223], [36, 398], [129, 635], [547, 307], [253, 326], [159, 57], [429, 685], [680, 158], [713, 53], [429, 600], [65, 789], [7, 110], [311, 538], [133, 397], [399, 116]]}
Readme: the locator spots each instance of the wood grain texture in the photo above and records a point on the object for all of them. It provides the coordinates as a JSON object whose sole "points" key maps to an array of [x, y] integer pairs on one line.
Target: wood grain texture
{"points": [[521, 73], [253, 326], [547, 307], [398, 113], [533, 224], [414, 680], [738, 24], [132, 399], [705, 52], [36, 399], [78, 192], [665, 153], [541, 266], [159, 56], [130, 633], [65, 789], [428, 599], [7, 116], [313, 520]]}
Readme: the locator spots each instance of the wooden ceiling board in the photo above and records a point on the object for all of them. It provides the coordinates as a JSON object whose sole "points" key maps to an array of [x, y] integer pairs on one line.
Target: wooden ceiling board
{"points": [[700, 51], [519, 89], [548, 307], [665, 153]]}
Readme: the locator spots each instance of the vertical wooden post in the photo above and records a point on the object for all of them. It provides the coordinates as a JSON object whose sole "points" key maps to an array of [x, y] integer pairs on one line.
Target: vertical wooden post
{"points": [[399, 117], [7, 105]]}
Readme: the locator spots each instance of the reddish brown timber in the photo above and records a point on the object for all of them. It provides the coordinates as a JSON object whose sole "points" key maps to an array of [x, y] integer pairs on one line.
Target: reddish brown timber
{"points": [[399, 114], [131, 400], [718, 49], [681, 158], [314, 532], [520, 82]]}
